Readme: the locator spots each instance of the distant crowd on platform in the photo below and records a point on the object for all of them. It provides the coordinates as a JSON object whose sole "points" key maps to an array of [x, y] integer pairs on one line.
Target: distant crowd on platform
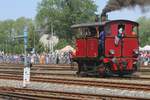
{"points": [[55, 58], [145, 57], [43, 58]]}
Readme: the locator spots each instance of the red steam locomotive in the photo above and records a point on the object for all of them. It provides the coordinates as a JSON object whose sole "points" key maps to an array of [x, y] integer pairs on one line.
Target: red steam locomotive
{"points": [[106, 48]]}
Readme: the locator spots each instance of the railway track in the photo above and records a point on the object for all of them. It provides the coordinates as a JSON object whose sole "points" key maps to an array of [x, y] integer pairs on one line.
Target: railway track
{"points": [[47, 70], [55, 70], [42, 69], [39, 76], [41, 73], [38, 65], [51, 70], [81, 82], [57, 67], [58, 95]]}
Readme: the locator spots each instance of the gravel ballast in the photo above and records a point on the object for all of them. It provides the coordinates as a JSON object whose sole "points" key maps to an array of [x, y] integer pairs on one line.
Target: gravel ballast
{"points": [[76, 89]]}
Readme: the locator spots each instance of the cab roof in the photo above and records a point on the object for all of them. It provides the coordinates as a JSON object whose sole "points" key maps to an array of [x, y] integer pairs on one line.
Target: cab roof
{"points": [[102, 24], [122, 20], [87, 25]]}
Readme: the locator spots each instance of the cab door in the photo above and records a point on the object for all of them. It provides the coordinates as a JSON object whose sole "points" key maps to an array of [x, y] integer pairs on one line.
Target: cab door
{"points": [[110, 40], [130, 41], [92, 47], [81, 47]]}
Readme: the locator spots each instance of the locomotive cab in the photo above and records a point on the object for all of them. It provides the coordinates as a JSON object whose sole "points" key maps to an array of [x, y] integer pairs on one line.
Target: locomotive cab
{"points": [[121, 37]]}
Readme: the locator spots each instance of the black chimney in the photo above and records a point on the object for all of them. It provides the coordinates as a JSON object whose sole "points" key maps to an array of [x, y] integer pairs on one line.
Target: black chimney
{"points": [[97, 18], [104, 17]]}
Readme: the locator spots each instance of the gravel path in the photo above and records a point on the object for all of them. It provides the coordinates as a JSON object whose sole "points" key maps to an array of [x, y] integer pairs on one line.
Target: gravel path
{"points": [[77, 89]]}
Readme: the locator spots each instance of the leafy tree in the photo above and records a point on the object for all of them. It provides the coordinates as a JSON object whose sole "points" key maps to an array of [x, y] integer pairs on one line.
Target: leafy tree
{"points": [[61, 14], [144, 32], [62, 43], [11, 28]]}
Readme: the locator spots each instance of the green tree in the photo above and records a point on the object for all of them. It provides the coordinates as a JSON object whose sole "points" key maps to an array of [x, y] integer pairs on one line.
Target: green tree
{"points": [[144, 32], [5, 34], [61, 14], [11, 28]]}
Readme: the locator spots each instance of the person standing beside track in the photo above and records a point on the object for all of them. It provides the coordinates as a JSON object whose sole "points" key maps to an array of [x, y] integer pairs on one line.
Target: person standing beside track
{"points": [[32, 58], [47, 59], [1, 58]]}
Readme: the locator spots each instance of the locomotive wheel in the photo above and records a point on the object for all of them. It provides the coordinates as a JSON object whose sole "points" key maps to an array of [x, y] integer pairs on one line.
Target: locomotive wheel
{"points": [[80, 71], [83, 74], [121, 75], [108, 71], [101, 71], [135, 68]]}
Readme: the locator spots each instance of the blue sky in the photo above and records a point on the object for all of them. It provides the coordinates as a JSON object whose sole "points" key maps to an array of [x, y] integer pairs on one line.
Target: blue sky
{"points": [[12, 9]]}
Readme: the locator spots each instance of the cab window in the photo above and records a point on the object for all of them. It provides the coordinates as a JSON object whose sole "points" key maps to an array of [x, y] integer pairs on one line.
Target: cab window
{"points": [[78, 33], [85, 32], [134, 31], [131, 30]]}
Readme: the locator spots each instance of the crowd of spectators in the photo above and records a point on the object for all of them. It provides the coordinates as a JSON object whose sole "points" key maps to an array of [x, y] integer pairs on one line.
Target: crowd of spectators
{"points": [[43, 58], [145, 57], [55, 58]]}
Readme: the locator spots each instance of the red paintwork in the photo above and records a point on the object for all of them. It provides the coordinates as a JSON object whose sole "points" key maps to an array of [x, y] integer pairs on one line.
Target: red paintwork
{"points": [[109, 44], [114, 29], [120, 66], [80, 48], [114, 67], [129, 44], [106, 60], [92, 47], [87, 47], [130, 64], [128, 29]]}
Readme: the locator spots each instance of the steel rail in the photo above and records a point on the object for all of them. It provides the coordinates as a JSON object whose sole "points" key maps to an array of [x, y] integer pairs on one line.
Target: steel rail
{"points": [[46, 94], [106, 84]]}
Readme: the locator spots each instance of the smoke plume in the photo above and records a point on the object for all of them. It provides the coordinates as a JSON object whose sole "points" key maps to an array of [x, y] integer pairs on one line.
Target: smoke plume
{"points": [[113, 5]]}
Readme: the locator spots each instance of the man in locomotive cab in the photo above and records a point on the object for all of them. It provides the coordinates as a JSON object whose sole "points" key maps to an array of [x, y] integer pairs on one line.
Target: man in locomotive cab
{"points": [[101, 40], [120, 34]]}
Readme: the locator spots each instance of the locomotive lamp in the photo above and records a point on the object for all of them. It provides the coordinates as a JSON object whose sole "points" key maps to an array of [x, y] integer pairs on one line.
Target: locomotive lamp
{"points": [[111, 52]]}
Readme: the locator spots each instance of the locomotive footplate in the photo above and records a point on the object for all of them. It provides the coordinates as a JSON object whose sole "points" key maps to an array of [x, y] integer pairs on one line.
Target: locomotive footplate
{"points": [[88, 73]]}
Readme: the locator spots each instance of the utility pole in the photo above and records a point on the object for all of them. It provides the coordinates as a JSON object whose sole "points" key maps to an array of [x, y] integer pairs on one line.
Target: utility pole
{"points": [[25, 46], [52, 37], [6, 46], [34, 42], [26, 73]]}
